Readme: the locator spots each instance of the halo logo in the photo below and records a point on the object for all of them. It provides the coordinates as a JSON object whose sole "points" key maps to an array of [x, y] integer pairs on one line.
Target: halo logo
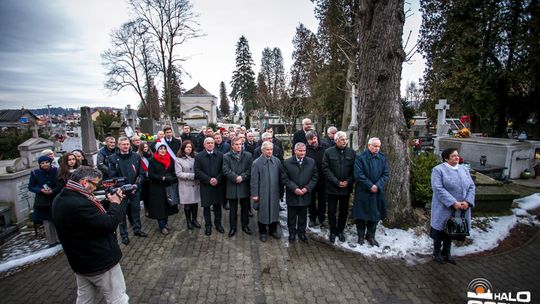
{"points": [[480, 291]]}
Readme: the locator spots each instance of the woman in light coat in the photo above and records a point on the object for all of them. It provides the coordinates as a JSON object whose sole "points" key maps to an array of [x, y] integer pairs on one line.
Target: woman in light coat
{"points": [[453, 190], [188, 185]]}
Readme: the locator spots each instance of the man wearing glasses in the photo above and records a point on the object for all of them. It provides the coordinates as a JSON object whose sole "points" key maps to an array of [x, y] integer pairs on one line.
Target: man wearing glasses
{"points": [[86, 228]]}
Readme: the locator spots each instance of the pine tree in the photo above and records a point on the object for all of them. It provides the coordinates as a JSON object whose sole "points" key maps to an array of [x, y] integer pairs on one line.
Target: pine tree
{"points": [[243, 79], [224, 101], [306, 65]]}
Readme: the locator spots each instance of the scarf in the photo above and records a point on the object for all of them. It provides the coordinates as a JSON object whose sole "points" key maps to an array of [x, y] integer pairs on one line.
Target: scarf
{"points": [[164, 160], [74, 186]]}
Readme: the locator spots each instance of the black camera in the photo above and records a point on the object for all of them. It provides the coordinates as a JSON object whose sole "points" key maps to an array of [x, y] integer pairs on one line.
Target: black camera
{"points": [[112, 185]]}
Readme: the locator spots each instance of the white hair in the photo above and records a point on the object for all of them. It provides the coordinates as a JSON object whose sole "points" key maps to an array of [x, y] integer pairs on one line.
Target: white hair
{"points": [[340, 134], [331, 129], [299, 145], [305, 120], [266, 135], [266, 145], [372, 140], [207, 139]]}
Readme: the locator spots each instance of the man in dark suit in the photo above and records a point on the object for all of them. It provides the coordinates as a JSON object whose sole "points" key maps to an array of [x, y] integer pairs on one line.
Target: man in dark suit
{"points": [[186, 135], [317, 208], [300, 180], [300, 135], [275, 141], [208, 170], [171, 141], [237, 171], [250, 143]]}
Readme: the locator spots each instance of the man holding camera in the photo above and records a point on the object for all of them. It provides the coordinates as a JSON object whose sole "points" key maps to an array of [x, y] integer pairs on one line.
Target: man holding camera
{"points": [[127, 164], [86, 230]]}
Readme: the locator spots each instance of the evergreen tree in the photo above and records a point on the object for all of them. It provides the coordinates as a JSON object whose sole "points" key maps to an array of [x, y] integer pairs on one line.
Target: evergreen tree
{"points": [[151, 108], [306, 64], [243, 79], [224, 101], [479, 56]]}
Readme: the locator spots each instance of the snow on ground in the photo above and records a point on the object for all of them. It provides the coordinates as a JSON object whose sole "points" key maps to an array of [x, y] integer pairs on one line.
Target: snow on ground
{"points": [[412, 245]]}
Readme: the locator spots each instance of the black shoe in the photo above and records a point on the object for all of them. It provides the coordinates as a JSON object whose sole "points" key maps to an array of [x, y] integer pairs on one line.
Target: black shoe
{"points": [[361, 240], [373, 242], [140, 233], [302, 237], [264, 237], [189, 225], [226, 206], [246, 230], [439, 259], [232, 232], [208, 230], [125, 240], [449, 259], [275, 235], [220, 229], [341, 237], [292, 237], [195, 224], [332, 238]]}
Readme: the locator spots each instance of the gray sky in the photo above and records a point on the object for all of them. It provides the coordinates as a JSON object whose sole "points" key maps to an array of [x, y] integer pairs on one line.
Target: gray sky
{"points": [[50, 49]]}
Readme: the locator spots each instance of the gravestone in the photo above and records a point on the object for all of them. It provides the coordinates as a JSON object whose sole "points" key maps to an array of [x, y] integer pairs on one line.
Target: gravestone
{"points": [[88, 136]]}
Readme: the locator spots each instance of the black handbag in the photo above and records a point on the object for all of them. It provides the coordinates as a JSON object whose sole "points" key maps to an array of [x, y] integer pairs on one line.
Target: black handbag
{"points": [[457, 227], [173, 197]]}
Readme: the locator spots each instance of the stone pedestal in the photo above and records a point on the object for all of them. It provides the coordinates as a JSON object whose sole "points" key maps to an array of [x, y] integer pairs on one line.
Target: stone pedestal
{"points": [[16, 195]]}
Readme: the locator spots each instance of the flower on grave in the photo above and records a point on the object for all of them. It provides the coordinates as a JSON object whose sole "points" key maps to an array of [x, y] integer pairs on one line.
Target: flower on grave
{"points": [[463, 133]]}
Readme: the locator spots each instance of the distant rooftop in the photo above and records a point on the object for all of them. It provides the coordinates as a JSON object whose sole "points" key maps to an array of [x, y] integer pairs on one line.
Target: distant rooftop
{"points": [[199, 91], [14, 115]]}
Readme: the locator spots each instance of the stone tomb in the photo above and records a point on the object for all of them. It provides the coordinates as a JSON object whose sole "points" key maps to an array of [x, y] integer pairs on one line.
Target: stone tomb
{"points": [[509, 155]]}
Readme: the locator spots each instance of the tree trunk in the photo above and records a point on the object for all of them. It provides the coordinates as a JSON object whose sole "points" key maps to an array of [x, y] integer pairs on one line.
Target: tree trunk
{"points": [[380, 113], [346, 118]]}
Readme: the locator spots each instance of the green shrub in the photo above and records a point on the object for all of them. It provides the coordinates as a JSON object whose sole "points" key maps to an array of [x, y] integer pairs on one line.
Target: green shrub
{"points": [[421, 166]]}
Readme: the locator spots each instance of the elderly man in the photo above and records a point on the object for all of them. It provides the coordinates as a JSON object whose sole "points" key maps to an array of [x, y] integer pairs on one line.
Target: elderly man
{"points": [[266, 181], [338, 166], [277, 152], [300, 135], [330, 133], [237, 171], [317, 208], [300, 181], [160, 134], [275, 141], [371, 175], [103, 156], [208, 170], [250, 144], [135, 142]]}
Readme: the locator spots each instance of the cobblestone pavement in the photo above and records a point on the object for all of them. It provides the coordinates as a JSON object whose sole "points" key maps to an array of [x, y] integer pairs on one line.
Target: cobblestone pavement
{"points": [[190, 267]]}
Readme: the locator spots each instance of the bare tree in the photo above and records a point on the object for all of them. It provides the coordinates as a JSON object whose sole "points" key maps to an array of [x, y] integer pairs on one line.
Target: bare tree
{"points": [[129, 62], [171, 23], [380, 114]]}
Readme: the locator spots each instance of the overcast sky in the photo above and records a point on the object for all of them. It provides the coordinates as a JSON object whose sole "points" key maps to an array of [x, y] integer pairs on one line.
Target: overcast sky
{"points": [[50, 49]]}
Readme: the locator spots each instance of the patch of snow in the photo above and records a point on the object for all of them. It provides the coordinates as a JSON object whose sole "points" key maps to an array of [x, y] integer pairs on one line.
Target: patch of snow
{"points": [[30, 258], [530, 202]]}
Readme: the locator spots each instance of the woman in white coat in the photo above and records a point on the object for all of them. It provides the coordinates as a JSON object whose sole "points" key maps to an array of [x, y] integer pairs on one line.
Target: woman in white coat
{"points": [[188, 185]]}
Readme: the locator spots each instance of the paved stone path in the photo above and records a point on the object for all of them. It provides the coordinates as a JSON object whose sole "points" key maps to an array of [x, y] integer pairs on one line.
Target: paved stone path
{"points": [[190, 267]]}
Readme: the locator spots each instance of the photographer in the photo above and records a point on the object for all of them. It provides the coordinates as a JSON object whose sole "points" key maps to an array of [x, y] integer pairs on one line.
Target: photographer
{"points": [[86, 230], [127, 164]]}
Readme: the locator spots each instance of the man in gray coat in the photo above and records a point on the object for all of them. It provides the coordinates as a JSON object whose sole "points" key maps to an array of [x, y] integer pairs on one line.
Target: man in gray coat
{"points": [[237, 171], [266, 175], [300, 180]]}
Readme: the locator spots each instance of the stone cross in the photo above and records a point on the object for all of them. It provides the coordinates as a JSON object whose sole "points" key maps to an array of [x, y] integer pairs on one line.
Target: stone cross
{"points": [[442, 126]]}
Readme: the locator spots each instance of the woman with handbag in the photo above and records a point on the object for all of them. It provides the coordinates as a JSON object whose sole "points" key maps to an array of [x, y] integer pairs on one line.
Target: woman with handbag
{"points": [[161, 175], [188, 185], [43, 184], [453, 194]]}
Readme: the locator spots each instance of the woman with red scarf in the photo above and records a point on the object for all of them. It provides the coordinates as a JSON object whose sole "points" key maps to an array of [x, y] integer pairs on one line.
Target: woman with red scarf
{"points": [[161, 174]]}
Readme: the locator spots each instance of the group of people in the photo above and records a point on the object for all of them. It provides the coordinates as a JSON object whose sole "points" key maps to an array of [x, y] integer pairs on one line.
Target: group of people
{"points": [[223, 170]]}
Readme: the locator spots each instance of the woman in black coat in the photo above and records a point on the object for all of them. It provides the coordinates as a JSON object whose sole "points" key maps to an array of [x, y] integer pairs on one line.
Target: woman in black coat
{"points": [[161, 174]]}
